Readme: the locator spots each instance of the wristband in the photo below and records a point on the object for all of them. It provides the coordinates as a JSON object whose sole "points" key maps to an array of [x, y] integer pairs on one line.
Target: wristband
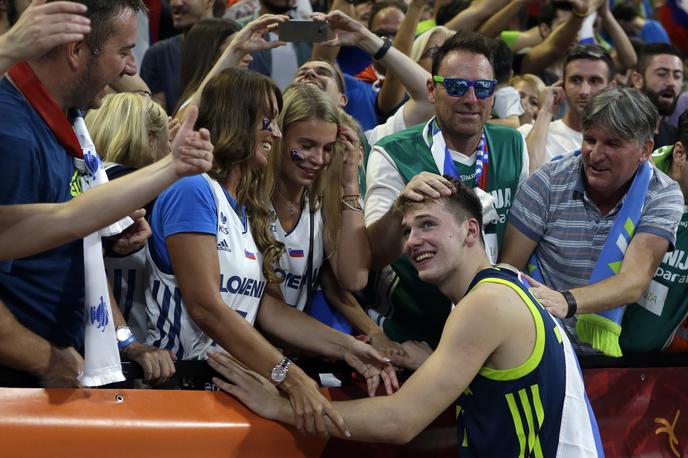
{"points": [[571, 301], [383, 49], [579, 14]]}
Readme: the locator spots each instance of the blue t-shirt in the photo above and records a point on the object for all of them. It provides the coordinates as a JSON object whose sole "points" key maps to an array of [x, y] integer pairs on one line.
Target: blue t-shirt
{"points": [[653, 32], [161, 69], [362, 101], [186, 206], [353, 60], [45, 292]]}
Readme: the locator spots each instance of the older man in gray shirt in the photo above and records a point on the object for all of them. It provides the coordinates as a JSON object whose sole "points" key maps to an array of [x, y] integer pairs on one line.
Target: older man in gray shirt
{"points": [[564, 212]]}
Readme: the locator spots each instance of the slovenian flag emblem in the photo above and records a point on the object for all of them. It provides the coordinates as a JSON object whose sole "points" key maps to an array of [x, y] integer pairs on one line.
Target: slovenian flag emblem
{"points": [[295, 253], [249, 255]]}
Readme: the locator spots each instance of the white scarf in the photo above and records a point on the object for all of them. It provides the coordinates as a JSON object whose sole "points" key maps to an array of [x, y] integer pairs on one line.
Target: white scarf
{"points": [[101, 356]]}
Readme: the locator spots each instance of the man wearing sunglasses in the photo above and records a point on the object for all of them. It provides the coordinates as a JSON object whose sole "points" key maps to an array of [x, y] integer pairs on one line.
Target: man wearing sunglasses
{"points": [[456, 142]]}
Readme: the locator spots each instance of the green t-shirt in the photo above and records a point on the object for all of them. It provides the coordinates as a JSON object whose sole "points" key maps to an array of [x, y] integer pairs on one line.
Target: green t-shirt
{"points": [[418, 309], [650, 324]]}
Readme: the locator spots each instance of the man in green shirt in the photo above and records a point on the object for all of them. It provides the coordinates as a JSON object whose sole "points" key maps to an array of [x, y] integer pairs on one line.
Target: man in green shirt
{"points": [[654, 322], [456, 142]]}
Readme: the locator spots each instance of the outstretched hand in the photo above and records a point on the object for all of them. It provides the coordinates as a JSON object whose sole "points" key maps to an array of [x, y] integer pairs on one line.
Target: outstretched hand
{"points": [[45, 26], [254, 391], [373, 366], [192, 150]]}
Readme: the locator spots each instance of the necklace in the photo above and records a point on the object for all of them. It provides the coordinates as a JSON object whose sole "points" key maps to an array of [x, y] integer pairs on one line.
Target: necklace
{"points": [[292, 208]]}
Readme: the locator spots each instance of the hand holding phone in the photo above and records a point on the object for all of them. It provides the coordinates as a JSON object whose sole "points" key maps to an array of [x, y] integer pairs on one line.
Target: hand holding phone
{"points": [[303, 31]]}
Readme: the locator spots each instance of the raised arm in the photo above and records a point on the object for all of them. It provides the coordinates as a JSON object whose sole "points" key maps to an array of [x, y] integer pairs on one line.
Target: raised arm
{"points": [[247, 40], [351, 258], [547, 52], [536, 140], [392, 92], [329, 53], [475, 15], [500, 20], [41, 28], [624, 49], [102, 205], [410, 74]]}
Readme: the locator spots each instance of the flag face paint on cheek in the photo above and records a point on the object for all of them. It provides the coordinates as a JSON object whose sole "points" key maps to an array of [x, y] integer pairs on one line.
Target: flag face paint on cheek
{"points": [[296, 156]]}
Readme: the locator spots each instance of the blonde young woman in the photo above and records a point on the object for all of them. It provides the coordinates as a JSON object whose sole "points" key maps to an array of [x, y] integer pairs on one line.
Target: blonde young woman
{"points": [[312, 182], [208, 277], [531, 89], [131, 131]]}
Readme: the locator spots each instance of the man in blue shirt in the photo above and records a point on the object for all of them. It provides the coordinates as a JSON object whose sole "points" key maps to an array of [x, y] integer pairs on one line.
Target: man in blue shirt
{"points": [[45, 292]]}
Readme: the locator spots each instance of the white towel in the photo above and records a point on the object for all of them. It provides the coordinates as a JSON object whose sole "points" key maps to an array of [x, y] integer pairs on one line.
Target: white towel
{"points": [[101, 356]]}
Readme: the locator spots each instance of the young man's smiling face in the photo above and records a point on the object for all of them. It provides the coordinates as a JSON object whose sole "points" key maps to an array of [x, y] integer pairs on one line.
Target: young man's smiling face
{"points": [[433, 240]]}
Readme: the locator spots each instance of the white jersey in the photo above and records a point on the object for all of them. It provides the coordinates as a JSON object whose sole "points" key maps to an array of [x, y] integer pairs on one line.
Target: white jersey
{"points": [[126, 276], [294, 263], [241, 286]]}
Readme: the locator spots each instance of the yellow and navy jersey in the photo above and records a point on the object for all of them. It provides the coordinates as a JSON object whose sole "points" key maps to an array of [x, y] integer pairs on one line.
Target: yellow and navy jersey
{"points": [[521, 412]]}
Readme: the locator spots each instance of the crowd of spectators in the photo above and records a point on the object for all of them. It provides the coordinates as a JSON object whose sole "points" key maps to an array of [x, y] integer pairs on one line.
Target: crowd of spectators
{"points": [[239, 193]]}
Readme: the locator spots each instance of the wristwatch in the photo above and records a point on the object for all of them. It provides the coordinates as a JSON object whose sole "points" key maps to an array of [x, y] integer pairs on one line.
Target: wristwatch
{"points": [[124, 337], [280, 371]]}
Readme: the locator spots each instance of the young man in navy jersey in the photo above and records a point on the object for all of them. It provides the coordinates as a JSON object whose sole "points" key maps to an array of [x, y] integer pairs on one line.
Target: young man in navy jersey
{"points": [[513, 370]]}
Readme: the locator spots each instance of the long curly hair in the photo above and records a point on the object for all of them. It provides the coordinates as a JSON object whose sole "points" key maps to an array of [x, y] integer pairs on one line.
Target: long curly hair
{"points": [[232, 106]]}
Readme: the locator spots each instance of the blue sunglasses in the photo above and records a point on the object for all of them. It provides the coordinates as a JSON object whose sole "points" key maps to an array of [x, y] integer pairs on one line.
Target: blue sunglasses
{"points": [[457, 87]]}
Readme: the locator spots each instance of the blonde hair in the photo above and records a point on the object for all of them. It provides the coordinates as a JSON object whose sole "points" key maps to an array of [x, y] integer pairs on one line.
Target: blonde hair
{"points": [[421, 41], [304, 103], [531, 80], [122, 129]]}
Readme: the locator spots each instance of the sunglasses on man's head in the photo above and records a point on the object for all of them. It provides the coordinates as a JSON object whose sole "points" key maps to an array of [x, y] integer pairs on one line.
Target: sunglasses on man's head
{"points": [[457, 87]]}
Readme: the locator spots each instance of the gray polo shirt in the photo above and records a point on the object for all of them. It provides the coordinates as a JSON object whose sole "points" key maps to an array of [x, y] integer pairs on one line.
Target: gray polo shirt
{"points": [[553, 209]]}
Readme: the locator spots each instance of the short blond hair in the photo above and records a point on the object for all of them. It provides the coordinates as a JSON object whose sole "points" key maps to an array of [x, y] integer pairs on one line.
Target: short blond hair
{"points": [[123, 127]]}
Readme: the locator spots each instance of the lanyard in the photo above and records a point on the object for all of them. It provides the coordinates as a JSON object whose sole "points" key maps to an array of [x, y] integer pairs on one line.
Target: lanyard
{"points": [[26, 81], [481, 160]]}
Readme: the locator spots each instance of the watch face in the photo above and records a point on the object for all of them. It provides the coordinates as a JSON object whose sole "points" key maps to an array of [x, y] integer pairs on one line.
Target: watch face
{"points": [[279, 374], [123, 334]]}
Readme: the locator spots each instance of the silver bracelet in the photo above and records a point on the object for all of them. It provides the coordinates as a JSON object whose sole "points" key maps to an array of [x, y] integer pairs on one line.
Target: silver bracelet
{"points": [[348, 206]]}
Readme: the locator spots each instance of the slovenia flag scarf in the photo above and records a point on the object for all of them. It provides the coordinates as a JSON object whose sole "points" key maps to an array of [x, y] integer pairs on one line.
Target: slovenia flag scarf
{"points": [[602, 330]]}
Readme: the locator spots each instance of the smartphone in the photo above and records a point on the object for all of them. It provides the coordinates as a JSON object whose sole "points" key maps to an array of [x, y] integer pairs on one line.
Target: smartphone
{"points": [[299, 30]]}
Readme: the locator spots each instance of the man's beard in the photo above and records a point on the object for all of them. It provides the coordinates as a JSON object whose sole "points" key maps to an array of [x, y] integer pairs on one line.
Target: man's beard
{"points": [[664, 108], [276, 8], [83, 96]]}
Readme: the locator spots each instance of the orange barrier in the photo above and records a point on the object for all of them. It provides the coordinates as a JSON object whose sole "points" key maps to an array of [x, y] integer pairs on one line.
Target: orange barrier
{"points": [[127, 423]]}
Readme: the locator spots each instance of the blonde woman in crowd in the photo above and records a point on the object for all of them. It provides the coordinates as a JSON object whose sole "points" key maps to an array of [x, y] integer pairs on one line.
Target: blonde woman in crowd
{"points": [[312, 181], [530, 88]]}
